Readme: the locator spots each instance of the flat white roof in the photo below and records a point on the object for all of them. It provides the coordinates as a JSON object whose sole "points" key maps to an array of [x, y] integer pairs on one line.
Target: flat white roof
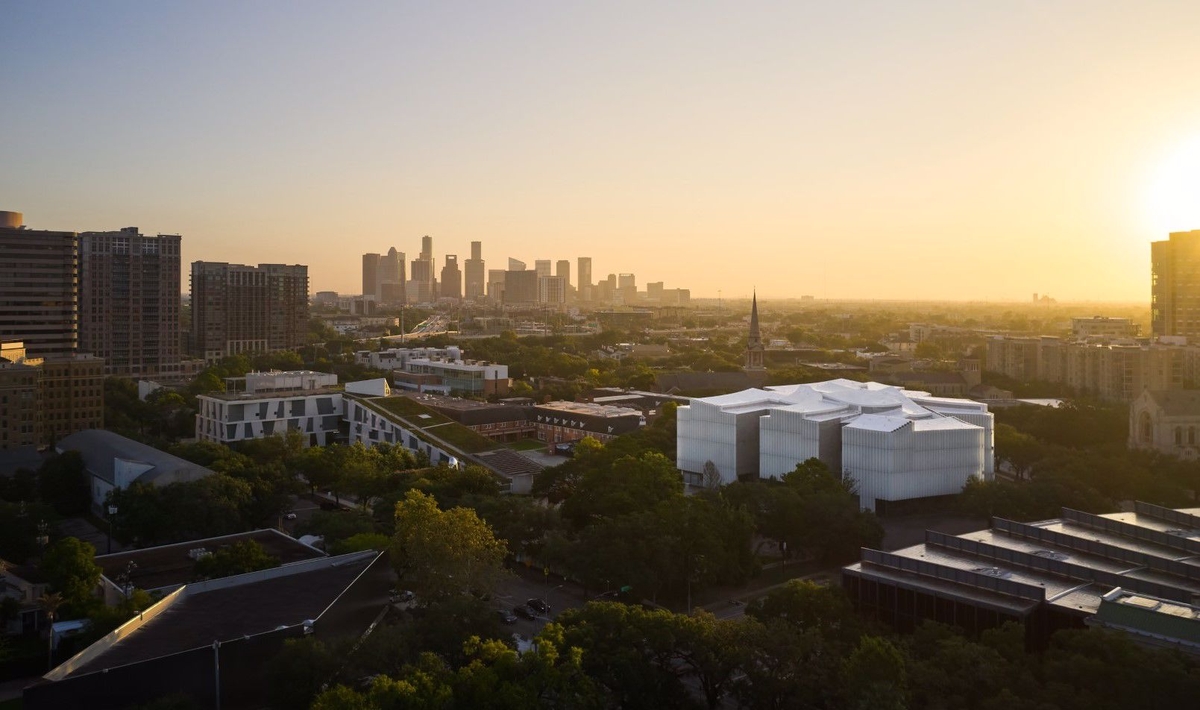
{"points": [[847, 398]]}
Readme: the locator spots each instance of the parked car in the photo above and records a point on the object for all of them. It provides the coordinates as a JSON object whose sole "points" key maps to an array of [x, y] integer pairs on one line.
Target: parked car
{"points": [[289, 516], [524, 612], [538, 605], [506, 617]]}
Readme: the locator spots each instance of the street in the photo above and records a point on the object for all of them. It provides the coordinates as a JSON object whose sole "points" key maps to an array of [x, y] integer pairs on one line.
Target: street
{"points": [[520, 586]]}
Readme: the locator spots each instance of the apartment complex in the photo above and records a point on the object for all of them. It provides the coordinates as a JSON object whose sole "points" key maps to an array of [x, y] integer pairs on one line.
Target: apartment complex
{"points": [[129, 302], [39, 271], [248, 309], [1117, 371]]}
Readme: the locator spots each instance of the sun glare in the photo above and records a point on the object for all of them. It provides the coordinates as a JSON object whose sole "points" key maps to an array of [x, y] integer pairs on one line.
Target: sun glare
{"points": [[1173, 193]]}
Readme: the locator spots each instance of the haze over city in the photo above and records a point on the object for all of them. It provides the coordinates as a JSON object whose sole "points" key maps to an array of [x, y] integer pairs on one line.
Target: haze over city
{"points": [[966, 151]]}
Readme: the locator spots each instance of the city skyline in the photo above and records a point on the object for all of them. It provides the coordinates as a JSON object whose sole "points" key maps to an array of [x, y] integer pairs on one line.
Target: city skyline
{"points": [[692, 144]]}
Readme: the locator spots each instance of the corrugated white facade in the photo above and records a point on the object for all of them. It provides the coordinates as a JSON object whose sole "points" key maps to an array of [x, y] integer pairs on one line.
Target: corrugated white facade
{"points": [[726, 437], [895, 444], [913, 460]]}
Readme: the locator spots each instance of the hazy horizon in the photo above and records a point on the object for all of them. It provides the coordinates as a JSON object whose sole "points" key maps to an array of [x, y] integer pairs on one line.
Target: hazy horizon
{"points": [[929, 151]]}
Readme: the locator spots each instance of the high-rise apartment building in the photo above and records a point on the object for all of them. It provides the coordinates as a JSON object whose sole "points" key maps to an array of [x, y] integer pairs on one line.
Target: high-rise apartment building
{"points": [[563, 268], [451, 283], [475, 282], [129, 302], [39, 287], [584, 278], [247, 309], [542, 267], [1175, 285]]}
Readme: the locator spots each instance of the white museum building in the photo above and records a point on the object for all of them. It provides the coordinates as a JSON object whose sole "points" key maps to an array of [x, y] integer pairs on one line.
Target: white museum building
{"points": [[895, 444]]}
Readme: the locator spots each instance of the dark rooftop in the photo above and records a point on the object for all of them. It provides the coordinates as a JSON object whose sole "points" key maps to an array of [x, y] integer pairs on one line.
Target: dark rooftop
{"points": [[1177, 402], [170, 565], [197, 618], [101, 448], [507, 462]]}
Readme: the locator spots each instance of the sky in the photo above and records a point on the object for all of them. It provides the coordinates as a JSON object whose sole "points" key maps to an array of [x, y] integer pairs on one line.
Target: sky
{"points": [[873, 150]]}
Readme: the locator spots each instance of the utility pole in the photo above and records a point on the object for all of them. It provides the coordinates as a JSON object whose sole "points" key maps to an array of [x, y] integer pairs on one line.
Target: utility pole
{"points": [[217, 672]]}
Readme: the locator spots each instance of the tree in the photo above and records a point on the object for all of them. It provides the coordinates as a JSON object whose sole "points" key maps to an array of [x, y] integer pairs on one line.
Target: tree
{"points": [[806, 606], [1018, 450], [239, 558], [876, 676], [359, 542], [296, 675], [441, 554], [50, 603], [63, 483], [71, 571], [630, 484]]}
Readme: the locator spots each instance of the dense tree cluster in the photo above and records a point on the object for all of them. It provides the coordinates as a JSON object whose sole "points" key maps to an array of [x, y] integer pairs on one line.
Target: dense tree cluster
{"points": [[802, 646], [1074, 455]]}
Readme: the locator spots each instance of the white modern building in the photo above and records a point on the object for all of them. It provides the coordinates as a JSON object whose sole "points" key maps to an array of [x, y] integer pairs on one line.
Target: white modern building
{"points": [[272, 403], [895, 444], [439, 370]]}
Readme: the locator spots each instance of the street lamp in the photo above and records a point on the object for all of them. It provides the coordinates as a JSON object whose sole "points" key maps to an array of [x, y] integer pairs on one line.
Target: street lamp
{"points": [[112, 513]]}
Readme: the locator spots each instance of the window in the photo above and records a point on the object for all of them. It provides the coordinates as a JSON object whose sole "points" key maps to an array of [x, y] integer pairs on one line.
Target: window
{"points": [[1178, 436]]}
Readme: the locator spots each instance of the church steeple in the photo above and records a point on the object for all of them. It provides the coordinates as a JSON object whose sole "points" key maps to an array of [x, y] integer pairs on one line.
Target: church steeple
{"points": [[754, 346]]}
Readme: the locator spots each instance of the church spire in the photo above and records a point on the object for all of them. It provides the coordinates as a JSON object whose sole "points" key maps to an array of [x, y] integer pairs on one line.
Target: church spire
{"points": [[754, 346], [755, 334]]}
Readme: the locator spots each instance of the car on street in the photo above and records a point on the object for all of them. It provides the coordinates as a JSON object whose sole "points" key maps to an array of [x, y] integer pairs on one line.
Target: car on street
{"points": [[289, 516], [523, 611], [506, 617], [538, 605]]}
